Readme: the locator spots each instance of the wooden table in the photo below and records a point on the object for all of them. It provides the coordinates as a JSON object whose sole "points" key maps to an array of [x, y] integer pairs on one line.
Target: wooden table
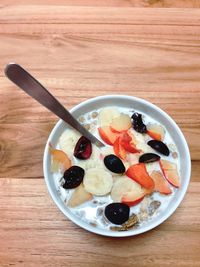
{"points": [[81, 49]]}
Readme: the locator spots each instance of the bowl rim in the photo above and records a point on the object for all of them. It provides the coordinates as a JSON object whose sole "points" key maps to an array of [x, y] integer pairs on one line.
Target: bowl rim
{"points": [[123, 233]]}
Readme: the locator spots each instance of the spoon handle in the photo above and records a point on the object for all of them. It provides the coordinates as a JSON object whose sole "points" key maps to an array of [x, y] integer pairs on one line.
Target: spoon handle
{"points": [[32, 87]]}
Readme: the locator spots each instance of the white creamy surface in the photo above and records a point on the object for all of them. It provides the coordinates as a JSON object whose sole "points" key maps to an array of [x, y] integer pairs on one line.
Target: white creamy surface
{"points": [[92, 211]]}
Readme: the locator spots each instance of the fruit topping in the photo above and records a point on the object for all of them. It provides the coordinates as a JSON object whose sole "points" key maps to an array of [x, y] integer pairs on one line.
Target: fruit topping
{"points": [[59, 160], [127, 142], [139, 174], [134, 197], [123, 144], [161, 185], [97, 181], [114, 164], [79, 196], [128, 191], [156, 131], [149, 157], [106, 116], [107, 135], [159, 146], [73, 177], [121, 123], [68, 140], [119, 149], [83, 148], [170, 172], [138, 124], [117, 213]]}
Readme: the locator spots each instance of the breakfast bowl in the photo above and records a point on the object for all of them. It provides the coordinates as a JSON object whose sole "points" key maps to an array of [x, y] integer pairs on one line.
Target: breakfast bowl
{"points": [[158, 176]]}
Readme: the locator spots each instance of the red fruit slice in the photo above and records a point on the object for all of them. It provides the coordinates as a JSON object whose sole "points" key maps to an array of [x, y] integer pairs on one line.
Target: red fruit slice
{"points": [[127, 144], [119, 149], [131, 202], [154, 135], [170, 172], [83, 148], [107, 135], [127, 191], [139, 174], [161, 185], [59, 160], [121, 123], [168, 165]]}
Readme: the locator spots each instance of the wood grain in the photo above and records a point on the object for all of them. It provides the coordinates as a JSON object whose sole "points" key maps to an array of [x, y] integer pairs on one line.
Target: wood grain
{"points": [[26, 202], [117, 3], [81, 49]]}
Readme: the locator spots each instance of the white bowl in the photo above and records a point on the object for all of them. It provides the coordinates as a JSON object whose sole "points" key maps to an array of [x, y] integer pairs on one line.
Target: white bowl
{"points": [[143, 107]]}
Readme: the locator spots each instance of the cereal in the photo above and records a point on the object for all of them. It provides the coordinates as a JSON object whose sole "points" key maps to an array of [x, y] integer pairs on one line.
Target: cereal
{"points": [[127, 138]]}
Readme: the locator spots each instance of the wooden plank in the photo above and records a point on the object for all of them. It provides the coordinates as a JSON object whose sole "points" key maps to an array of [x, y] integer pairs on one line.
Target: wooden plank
{"points": [[81, 52], [118, 3], [22, 147], [34, 232], [24, 109], [94, 15]]}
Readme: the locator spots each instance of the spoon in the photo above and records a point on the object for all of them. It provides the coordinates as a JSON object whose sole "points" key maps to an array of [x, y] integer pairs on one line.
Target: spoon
{"points": [[32, 87]]}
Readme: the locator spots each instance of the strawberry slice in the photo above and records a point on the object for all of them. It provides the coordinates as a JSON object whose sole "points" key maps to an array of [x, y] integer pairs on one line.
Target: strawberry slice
{"points": [[107, 135], [161, 185], [126, 142], [119, 149], [139, 174], [170, 172]]}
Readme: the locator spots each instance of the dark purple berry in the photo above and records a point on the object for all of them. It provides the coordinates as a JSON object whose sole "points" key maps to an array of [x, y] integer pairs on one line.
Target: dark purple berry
{"points": [[138, 124], [73, 177], [159, 146], [149, 157], [83, 148], [117, 213]]}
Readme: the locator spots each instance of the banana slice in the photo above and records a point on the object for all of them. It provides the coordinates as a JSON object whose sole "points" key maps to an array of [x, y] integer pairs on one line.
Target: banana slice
{"points": [[125, 186], [97, 181], [68, 140], [106, 116], [93, 161]]}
